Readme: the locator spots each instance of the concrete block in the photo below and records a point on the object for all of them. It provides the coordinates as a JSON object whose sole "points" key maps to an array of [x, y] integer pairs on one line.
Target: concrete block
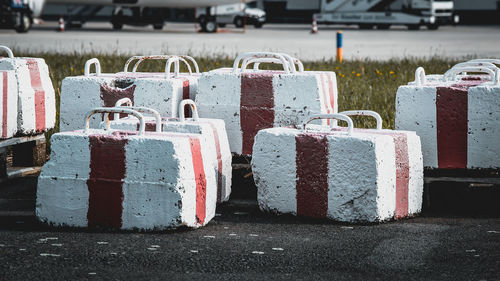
{"points": [[457, 118], [348, 175], [251, 100], [212, 132], [36, 104], [162, 91], [126, 179], [8, 104]]}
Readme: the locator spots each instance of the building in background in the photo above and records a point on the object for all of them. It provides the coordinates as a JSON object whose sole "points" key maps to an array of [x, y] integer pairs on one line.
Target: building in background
{"points": [[478, 11]]}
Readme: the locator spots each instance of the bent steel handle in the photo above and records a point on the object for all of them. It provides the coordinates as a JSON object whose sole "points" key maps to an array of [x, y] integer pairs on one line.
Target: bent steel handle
{"points": [[91, 62], [171, 57], [168, 66], [365, 113], [294, 61], [123, 102], [475, 64], [142, 58], [419, 77], [450, 75], [336, 116], [114, 110], [257, 61], [194, 109], [8, 51], [193, 61], [260, 55], [493, 61]]}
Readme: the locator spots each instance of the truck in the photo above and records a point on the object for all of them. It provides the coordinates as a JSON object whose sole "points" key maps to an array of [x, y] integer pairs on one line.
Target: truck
{"points": [[19, 14], [237, 14], [382, 14]]}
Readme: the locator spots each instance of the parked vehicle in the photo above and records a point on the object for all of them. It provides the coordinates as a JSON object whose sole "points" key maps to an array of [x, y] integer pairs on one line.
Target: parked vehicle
{"points": [[382, 13]]}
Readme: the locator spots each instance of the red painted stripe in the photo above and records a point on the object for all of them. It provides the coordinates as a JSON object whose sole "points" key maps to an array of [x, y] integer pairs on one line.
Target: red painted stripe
{"points": [[256, 106], [185, 95], [452, 127], [105, 183], [201, 182], [36, 84], [402, 174], [312, 175], [4, 107], [110, 95], [220, 184], [331, 92]]}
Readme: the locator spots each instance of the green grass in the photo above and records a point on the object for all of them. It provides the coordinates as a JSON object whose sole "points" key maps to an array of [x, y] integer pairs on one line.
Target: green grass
{"points": [[370, 85]]}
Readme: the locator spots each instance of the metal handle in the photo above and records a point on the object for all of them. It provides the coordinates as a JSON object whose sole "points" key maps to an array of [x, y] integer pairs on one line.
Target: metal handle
{"points": [[493, 61], [168, 65], [365, 113], [260, 55], [294, 61], [127, 103], [476, 64], [257, 61], [450, 74], [114, 110], [336, 116], [194, 109], [141, 59], [8, 51], [420, 77], [124, 102], [91, 62]]}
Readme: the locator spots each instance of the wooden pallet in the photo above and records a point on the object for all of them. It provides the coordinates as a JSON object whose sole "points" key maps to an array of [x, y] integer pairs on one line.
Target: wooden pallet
{"points": [[22, 156]]}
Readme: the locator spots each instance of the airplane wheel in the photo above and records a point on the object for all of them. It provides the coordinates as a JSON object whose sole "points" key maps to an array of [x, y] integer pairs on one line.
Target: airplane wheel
{"points": [[383, 26]]}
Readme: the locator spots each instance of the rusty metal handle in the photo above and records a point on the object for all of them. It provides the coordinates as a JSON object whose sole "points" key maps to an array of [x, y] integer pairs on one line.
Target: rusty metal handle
{"points": [[294, 61], [8, 51], [336, 116], [450, 74], [493, 61], [127, 103], [113, 110], [365, 113], [91, 62], [476, 64], [259, 55], [194, 109]]}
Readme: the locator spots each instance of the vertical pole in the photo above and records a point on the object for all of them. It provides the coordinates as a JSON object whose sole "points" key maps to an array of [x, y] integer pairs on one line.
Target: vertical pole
{"points": [[339, 46]]}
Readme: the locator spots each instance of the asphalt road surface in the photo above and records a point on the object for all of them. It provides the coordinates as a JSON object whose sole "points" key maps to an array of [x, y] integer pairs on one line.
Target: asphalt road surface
{"points": [[398, 42], [242, 243]]}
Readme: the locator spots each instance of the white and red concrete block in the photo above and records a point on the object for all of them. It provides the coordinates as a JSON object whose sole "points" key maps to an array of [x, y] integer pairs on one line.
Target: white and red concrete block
{"points": [[126, 180], [457, 118], [162, 91], [361, 176], [213, 139], [36, 104], [251, 100], [8, 104]]}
